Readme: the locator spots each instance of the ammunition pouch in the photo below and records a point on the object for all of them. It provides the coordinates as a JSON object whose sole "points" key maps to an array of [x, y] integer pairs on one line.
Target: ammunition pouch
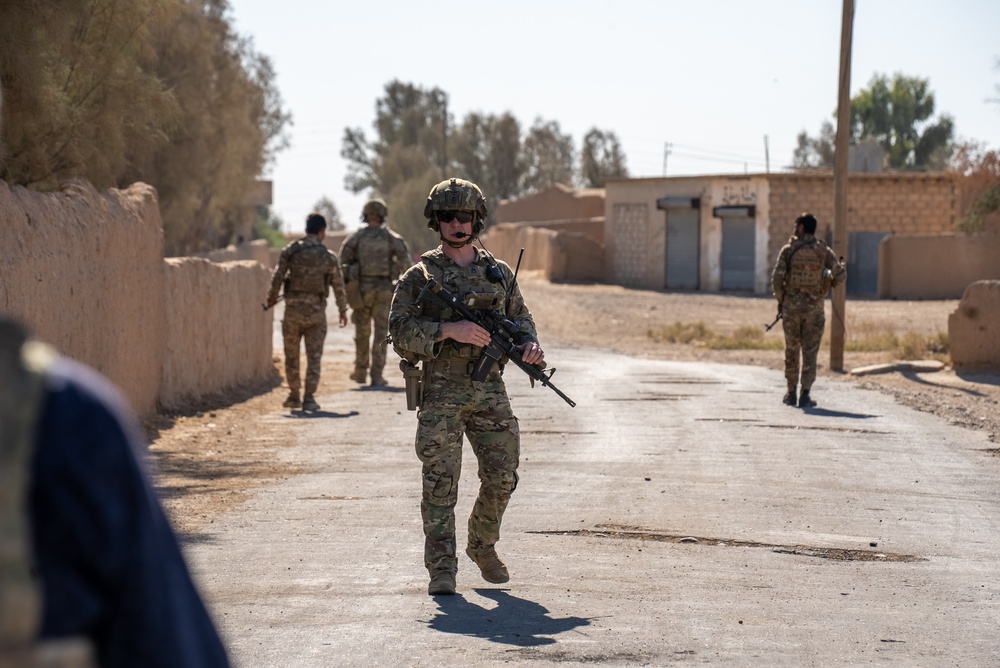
{"points": [[413, 378], [354, 298]]}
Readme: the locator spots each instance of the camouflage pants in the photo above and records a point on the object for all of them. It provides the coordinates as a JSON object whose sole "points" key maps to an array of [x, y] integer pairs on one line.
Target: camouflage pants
{"points": [[803, 333], [453, 405], [304, 319], [377, 298]]}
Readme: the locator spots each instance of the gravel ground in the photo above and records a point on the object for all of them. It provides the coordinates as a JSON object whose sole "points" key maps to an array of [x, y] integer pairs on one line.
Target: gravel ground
{"points": [[210, 458]]}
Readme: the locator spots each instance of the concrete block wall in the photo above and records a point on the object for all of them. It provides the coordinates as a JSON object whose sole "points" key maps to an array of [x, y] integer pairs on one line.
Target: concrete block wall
{"points": [[898, 203], [974, 327]]}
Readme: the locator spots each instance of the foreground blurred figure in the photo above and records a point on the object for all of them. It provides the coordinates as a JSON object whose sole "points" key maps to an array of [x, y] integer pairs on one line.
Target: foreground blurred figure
{"points": [[91, 573]]}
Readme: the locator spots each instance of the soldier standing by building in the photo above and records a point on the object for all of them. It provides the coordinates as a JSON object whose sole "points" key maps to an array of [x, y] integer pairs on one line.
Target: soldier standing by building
{"points": [[373, 257], [805, 271], [452, 403], [307, 269]]}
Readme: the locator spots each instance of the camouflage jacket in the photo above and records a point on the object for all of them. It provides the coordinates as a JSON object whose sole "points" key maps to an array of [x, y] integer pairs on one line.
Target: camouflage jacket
{"points": [[308, 270], [374, 253], [800, 280], [414, 324]]}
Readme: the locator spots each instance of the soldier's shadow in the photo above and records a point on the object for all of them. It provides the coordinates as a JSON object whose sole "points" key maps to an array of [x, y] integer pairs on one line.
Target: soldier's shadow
{"points": [[514, 621], [312, 415], [379, 388]]}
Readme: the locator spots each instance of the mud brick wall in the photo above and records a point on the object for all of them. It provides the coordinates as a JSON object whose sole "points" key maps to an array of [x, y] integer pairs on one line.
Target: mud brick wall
{"points": [[217, 335], [84, 271], [974, 327]]}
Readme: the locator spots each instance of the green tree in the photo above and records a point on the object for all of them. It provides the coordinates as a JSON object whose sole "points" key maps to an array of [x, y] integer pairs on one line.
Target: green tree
{"points": [[232, 124], [161, 91], [406, 157], [549, 156], [815, 152], [80, 98], [328, 209], [979, 171], [894, 113], [268, 225], [487, 151], [601, 158]]}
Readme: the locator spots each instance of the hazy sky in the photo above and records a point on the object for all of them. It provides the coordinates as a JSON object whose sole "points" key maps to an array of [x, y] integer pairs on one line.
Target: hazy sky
{"points": [[711, 77]]}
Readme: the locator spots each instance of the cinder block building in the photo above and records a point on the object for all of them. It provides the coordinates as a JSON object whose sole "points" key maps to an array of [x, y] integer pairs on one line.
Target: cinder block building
{"points": [[722, 233]]}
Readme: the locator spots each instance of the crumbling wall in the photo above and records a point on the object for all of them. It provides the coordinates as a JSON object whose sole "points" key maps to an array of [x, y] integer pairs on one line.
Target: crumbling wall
{"points": [[84, 271], [217, 335], [974, 327]]}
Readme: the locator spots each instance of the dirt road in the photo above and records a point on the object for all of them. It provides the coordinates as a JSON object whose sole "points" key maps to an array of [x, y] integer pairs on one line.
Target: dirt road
{"points": [[680, 514], [211, 458]]}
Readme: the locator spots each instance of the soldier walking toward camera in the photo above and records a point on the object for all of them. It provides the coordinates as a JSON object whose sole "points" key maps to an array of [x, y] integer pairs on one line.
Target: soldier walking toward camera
{"points": [[307, 269], [452, 403], [373, 257], [805, 272]]}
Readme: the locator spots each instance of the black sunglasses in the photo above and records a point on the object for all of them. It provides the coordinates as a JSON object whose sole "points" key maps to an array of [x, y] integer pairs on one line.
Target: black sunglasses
{"points": [[448, 216]]}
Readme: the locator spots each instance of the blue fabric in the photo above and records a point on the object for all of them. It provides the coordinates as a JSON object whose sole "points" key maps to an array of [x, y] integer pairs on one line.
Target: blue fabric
{"points": [[110, 566]]}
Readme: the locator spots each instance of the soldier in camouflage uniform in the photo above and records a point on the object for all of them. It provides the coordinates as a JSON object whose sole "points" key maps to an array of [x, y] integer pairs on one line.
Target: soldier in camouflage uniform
{"points": [[307, 270], [452, 403], [803, 275], [372, 258]]}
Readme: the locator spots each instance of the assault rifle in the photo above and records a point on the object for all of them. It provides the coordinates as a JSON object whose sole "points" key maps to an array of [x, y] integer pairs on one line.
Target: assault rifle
{"points": [[502, 338], [267, 307], [767, 328]]}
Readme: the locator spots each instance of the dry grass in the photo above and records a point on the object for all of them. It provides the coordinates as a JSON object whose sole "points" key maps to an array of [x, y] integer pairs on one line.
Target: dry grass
{"points": [[868, 338]]}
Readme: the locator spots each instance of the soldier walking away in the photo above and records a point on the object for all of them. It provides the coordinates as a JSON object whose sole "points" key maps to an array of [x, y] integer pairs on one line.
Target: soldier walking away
{"points": [[803, 275], [452, 403], [91, 573], [307, 270], [373, 258]]}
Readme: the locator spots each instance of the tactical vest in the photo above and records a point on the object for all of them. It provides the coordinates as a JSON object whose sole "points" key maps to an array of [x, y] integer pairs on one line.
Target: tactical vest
{"points": [[307, 270], [805, 271], [461, 282], [23, 364], [374, 254]]}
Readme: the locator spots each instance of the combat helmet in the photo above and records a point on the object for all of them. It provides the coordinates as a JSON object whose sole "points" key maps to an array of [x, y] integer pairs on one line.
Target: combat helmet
{"points": [[456, 195], [375, 207]]}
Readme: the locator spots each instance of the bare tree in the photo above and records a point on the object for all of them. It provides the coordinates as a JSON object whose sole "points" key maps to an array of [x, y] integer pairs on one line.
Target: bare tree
{"points": [[549, 156], [601, 158], [329, 211]]}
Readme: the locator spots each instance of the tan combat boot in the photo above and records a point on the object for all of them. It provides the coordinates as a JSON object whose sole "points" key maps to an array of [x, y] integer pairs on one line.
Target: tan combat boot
{"points": [[292, 401], [358, 376], [309, 404], [442, 584], [489, 563]]}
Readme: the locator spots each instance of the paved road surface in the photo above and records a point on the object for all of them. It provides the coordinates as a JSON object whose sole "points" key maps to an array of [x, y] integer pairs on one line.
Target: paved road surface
{"points": [[680, 514]]}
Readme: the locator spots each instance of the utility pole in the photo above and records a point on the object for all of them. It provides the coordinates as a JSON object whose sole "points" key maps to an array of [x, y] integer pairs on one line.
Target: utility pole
{"points": [[666, 152], [444, 140], [840, 185], [767, 157]]}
